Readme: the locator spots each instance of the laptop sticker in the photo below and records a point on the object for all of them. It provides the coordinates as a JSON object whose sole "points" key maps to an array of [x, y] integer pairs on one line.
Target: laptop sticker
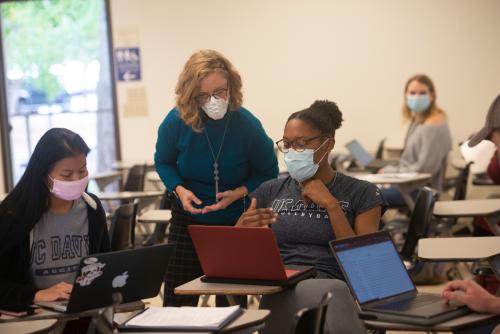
{"points": [[90, 272], [120, 280]]}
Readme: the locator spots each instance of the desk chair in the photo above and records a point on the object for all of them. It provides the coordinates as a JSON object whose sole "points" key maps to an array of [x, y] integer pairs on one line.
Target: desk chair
{"points": [[341, 316], [379, 153], [311, 320], [420, 221], [158, 235], [122, 228], [449, 226]]}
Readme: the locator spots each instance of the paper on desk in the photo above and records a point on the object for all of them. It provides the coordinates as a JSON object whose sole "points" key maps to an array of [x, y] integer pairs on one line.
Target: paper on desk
{"points": [[184, 317], [480, 154]]}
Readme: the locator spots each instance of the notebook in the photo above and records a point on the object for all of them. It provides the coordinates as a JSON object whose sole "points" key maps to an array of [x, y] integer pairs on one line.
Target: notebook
{"points": [[243, 255], [379, 281], [182, 319], [365, 159], [136, 274]]}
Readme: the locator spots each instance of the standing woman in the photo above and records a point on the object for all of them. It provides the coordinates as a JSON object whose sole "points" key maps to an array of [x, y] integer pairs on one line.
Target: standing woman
{"points": [[48, 223], [211, 152], [428, 139]]}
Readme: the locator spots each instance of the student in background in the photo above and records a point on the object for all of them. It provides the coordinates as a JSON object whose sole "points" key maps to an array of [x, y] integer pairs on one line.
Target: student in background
{"points": [[428, 139], [308, 209], [211, 152], [491, 131], [48, 223]]}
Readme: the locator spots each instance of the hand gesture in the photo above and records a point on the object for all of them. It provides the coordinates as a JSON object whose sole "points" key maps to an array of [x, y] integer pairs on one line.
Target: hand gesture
{"points": [[254, 217], [187, 198], [224, 199], [56, 292], [315, 190]]}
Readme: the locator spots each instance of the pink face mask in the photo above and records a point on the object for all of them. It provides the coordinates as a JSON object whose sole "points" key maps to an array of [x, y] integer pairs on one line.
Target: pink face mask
{"points": [[69, 190]]}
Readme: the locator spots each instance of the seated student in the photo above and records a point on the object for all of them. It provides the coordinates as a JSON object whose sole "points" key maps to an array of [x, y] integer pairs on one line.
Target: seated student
{"points": [[471, 294], [428, 139], [312, 206], [491, 131], [476, 298], [48, 223]]}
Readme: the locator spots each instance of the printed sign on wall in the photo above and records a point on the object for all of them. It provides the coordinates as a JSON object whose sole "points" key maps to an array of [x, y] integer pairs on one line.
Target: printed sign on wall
{"points": [[128, 64]]}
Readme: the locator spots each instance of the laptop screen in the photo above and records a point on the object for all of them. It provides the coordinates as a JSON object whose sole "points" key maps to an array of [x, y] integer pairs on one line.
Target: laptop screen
{"points": [[359, 152], [373, 267]]}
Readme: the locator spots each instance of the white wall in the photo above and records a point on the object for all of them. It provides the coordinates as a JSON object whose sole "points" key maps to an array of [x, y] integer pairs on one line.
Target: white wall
{"points": [[289, 53]]}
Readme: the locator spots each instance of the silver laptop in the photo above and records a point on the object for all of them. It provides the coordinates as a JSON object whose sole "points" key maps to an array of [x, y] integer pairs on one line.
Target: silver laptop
{"points": [[381, 285]]}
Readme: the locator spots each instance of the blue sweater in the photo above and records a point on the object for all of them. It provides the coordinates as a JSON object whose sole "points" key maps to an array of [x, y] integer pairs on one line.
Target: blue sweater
{"points": [[183, 157]]}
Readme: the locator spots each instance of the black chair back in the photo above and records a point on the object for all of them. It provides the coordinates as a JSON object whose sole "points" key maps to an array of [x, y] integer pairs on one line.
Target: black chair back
{"points": [[135, 178], [420, 221], [311, 320], [379, 154], [122, 229], [461, 183]]}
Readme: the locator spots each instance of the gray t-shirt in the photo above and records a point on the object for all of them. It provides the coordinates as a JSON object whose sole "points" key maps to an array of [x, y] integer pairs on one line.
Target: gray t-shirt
{"points": [[303, 231], [59, 241]]}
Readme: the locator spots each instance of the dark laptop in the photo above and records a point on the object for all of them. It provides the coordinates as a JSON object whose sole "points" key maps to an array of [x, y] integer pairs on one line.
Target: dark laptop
{"points": [[365, 159], [135, 273], [243, 255], [381, 285]]}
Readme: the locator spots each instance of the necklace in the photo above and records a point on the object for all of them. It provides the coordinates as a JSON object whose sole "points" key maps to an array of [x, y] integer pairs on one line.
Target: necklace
{"points": [[216, 157], [332, 181]]}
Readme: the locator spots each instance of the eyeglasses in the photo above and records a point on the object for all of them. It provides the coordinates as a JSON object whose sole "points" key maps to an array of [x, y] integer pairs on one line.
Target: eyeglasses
{"points": [[203, 98], [298, 145]]}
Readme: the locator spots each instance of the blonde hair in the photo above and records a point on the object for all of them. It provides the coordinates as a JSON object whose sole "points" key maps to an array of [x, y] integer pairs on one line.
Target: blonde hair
{"points": [[198, 66], [433, 108]]}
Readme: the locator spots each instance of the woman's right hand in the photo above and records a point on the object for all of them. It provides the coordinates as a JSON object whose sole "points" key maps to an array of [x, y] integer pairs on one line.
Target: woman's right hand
{"points": [[56, 292], [187, 198], [254, 217]]}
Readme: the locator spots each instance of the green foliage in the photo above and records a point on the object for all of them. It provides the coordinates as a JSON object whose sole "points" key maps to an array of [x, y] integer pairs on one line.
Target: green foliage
{"points": [[44, 33]]}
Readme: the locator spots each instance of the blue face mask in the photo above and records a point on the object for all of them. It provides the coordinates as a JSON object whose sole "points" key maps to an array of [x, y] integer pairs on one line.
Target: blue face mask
{"points": [[418, 103], [301, 165]]}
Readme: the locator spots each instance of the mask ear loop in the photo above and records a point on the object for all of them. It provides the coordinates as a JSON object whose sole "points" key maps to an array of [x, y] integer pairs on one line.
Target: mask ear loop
{"points": [[323, 154]]}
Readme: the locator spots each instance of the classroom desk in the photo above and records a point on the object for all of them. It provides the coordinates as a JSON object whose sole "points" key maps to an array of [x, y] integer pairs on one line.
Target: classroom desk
{"points": [[50, 314], [196, 287], [155, 216], [129, 195], [249, 322], [467, 249], [104, 179], [489, 208], [473, 320], [404, 182], [23, 327]]}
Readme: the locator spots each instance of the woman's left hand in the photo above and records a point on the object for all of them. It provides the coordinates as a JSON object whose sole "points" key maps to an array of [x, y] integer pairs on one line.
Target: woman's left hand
{"points": [[224, 199], [316, 191]]}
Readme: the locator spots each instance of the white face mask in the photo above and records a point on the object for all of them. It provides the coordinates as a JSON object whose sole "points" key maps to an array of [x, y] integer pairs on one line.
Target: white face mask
{"points": [[216, 108]]}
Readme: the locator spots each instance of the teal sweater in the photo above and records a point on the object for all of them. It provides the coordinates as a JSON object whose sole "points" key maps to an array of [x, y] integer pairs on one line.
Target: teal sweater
{"points": [[183, 157]]}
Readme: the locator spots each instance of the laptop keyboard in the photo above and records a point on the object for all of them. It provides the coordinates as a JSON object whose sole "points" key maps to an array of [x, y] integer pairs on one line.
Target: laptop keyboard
{"points": [[418, 301]]}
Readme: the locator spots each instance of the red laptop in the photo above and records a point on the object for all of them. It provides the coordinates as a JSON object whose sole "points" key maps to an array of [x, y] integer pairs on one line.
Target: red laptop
{"points": [[243, 255]]}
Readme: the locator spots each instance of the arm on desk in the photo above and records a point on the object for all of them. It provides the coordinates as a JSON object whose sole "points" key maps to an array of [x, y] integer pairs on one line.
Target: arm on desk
{"points": [[471, 294]]}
